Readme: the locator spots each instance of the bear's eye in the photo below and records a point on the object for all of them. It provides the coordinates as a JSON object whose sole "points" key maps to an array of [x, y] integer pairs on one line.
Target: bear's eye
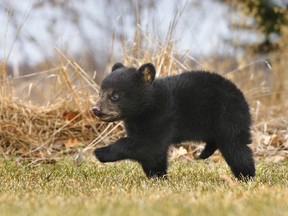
{"points": [[114, 97]]}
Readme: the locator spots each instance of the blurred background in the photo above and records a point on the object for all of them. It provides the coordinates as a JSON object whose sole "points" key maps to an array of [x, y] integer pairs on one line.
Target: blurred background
{"points": [[95, 33]]}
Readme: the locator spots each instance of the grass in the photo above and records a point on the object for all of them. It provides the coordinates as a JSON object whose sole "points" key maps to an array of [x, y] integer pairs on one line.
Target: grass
{"points": [[193, 188]]}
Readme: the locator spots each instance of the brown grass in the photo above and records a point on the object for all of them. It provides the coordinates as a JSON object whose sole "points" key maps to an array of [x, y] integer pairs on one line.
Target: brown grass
{"points": [[62, 125], [61, 122]]}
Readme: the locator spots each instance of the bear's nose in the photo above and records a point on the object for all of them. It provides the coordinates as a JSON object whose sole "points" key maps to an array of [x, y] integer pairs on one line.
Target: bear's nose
{"points": [[96, 110]]}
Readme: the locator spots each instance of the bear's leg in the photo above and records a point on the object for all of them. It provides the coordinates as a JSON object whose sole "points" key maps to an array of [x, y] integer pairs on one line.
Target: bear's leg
{"points": [[209, 149], [155, 167], [106, 154], [240, 159], [153, 160], [124, 148]]}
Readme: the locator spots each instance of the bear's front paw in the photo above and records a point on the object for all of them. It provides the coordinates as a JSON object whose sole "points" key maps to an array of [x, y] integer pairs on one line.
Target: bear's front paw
{"points": [[102, 154]]}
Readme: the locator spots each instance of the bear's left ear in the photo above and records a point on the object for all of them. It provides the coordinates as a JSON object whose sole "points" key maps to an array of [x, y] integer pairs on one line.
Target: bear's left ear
{"points": [[147, 72], [116, 66]]}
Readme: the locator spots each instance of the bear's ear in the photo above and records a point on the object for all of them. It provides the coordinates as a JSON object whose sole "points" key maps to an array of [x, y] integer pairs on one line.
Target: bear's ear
{"points": [[116, 66], [147, 72]]}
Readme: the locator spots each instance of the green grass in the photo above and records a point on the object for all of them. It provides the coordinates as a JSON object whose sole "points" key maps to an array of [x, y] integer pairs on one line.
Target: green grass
{"points": [[192, 188]]}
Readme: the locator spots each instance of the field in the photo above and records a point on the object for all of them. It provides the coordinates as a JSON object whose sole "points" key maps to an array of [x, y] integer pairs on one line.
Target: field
{"points": [[46, 138], [193, 188]]}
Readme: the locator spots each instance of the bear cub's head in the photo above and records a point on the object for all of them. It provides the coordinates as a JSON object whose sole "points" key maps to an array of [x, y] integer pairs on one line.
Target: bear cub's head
{"points": [[125, 92]]}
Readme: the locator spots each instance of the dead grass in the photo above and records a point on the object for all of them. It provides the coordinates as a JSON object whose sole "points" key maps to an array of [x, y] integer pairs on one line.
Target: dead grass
{"points": [[46, 132], [46, 115]]}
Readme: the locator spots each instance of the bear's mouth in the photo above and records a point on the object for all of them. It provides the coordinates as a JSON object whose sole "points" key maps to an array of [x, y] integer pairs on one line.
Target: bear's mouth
{"points": [[108, 118]]}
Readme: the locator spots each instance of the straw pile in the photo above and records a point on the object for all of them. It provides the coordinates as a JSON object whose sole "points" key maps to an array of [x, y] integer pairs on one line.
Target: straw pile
{"points": [[63, 125]]}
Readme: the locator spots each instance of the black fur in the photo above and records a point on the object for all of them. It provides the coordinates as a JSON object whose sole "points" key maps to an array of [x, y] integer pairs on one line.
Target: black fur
{"points": [[198, 106]]}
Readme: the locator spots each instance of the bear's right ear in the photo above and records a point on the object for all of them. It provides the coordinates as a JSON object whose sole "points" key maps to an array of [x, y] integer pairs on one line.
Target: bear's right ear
{"points": [[116, 66], [147, 72]]}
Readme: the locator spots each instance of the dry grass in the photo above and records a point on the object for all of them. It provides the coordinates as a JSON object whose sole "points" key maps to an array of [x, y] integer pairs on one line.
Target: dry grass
{"points": [[61, 121], [63, 124]]}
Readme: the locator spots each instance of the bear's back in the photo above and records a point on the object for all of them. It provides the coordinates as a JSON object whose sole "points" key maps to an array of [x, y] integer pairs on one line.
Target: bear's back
{"points": [[199, 80], [203, 101]]}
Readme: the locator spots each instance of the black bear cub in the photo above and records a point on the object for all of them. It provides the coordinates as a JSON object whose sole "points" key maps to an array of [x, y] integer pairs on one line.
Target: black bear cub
{"points": [[157, 113]]}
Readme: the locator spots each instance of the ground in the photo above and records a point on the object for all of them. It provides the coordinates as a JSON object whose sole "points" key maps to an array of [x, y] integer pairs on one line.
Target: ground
{"points": [[193, 188]]}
